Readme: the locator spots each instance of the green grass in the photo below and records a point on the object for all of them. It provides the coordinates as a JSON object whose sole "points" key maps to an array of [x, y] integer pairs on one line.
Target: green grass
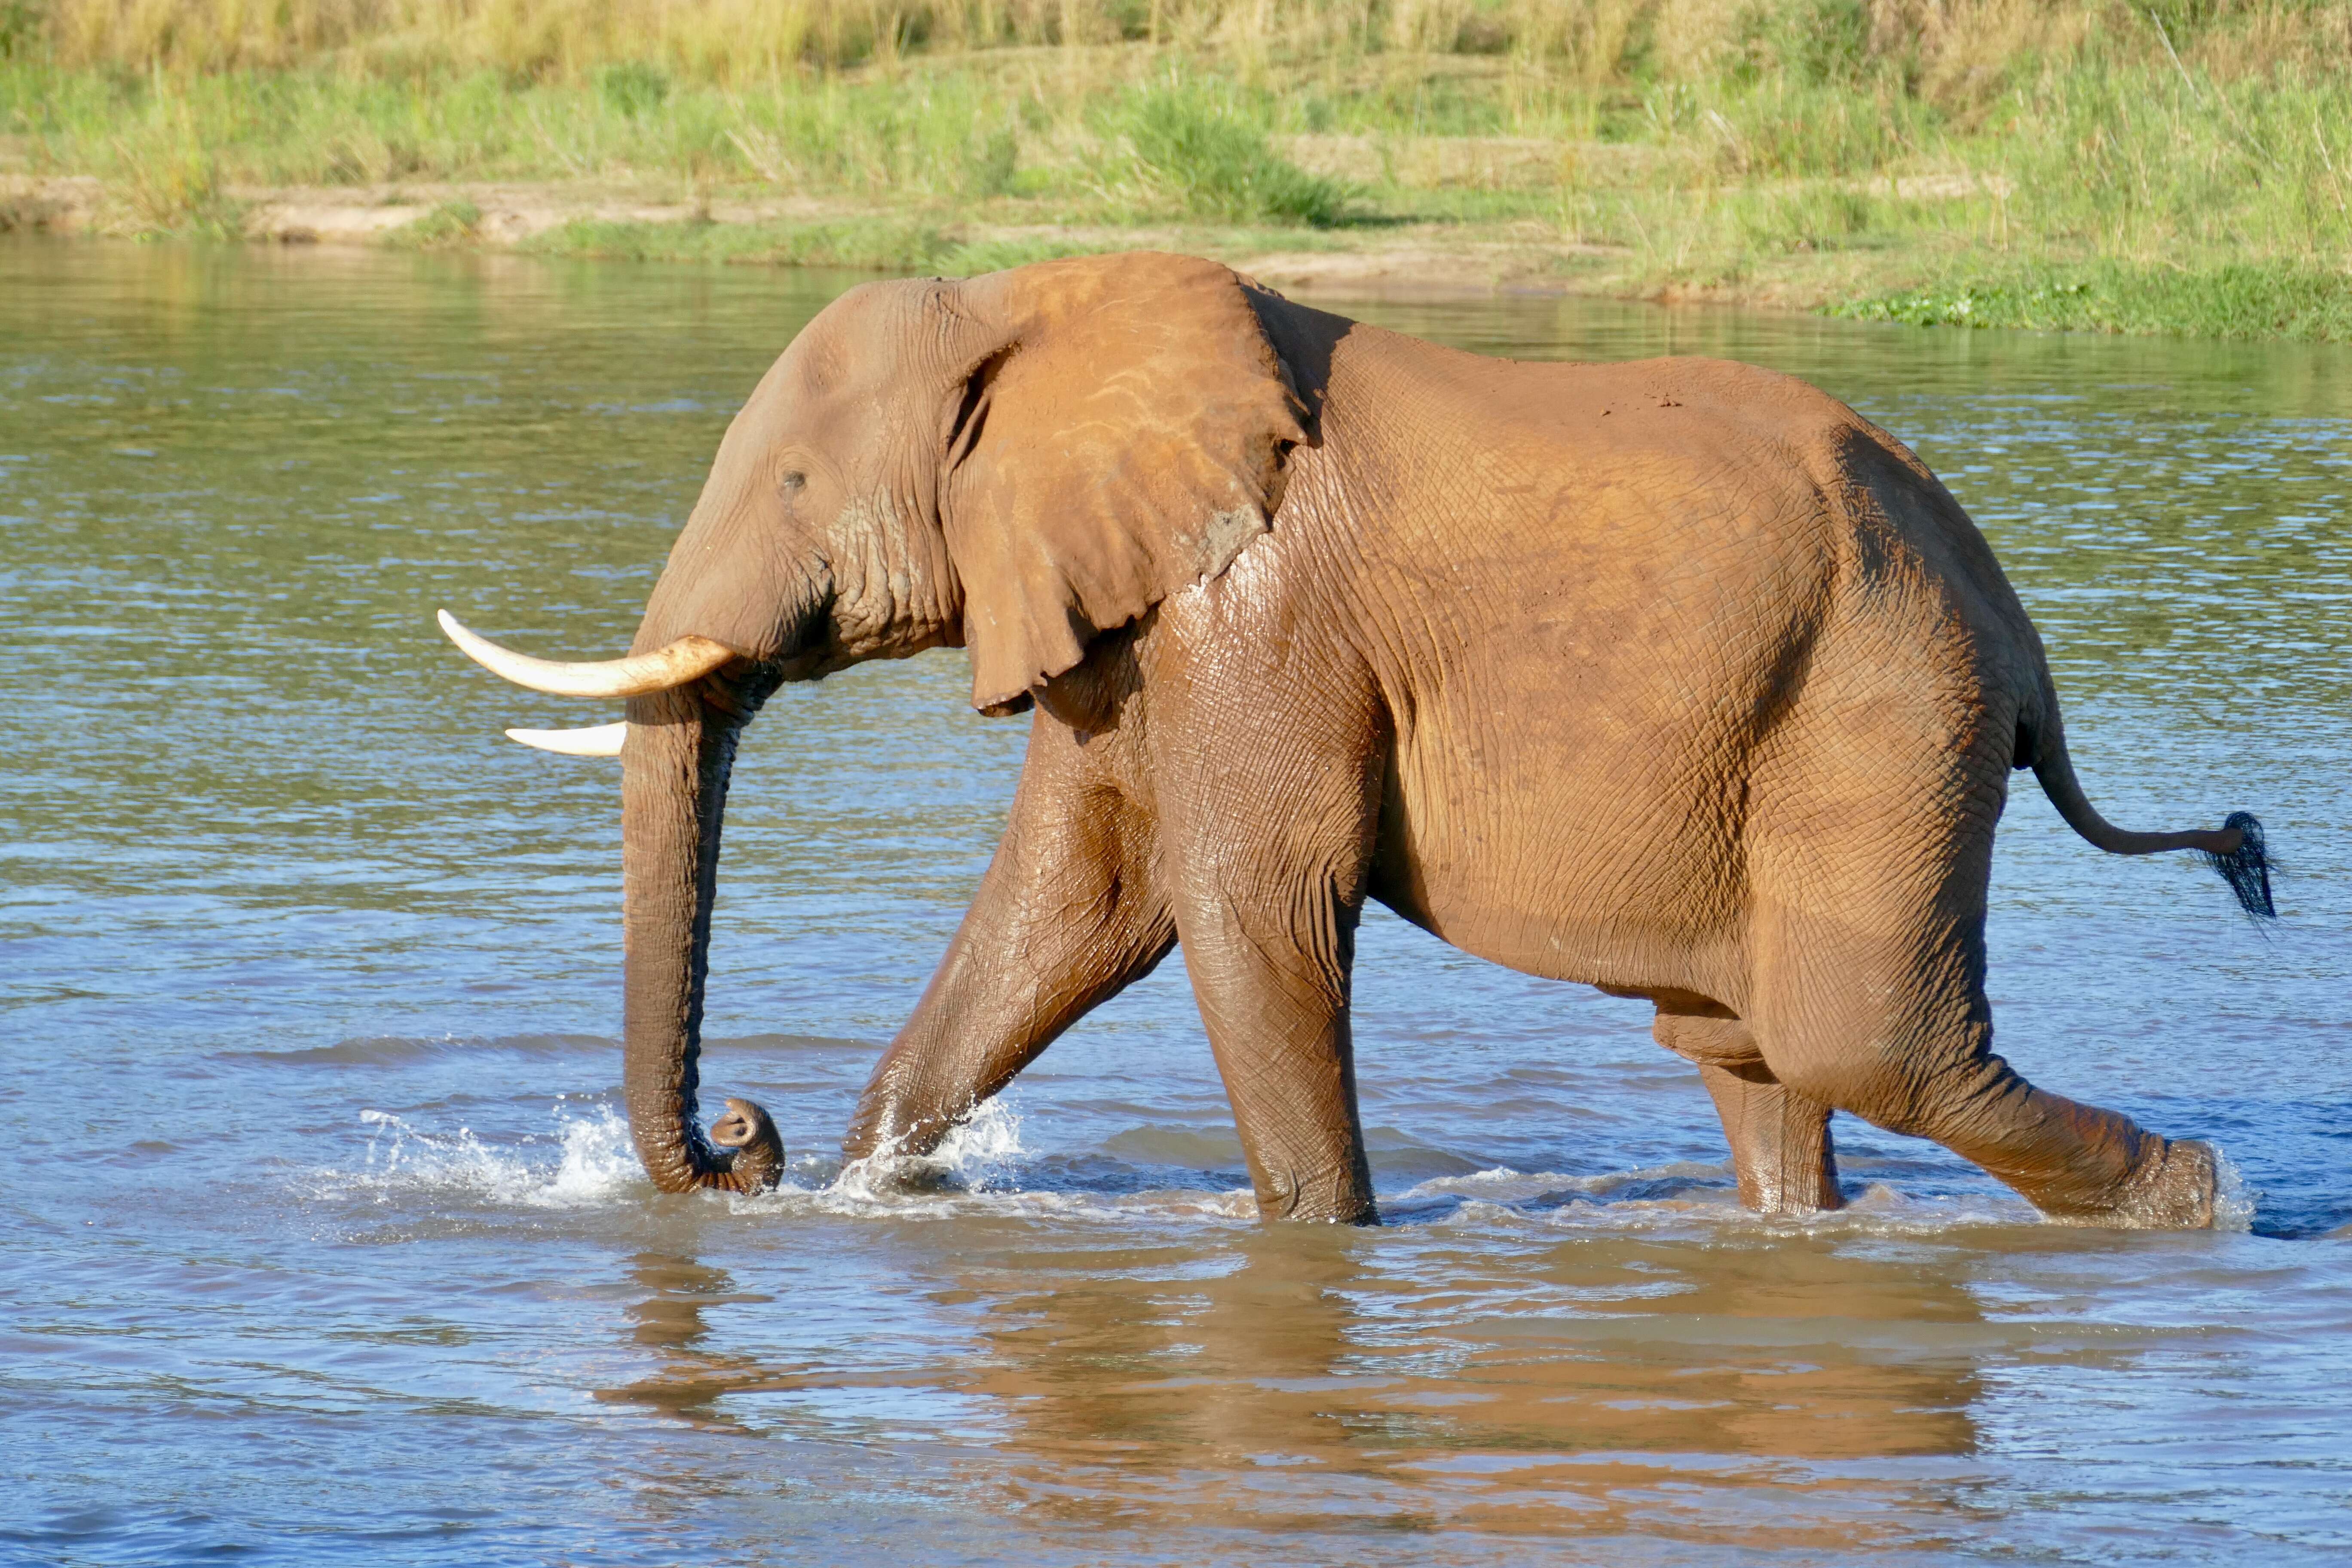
{"points": [[875, 245], [2226, 301], [871, 245], [449, 225], [2087, 166], [1211, 159]]}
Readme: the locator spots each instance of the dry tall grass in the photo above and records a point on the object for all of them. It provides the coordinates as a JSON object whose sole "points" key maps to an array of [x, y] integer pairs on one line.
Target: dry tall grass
{"points": [[1946, 50], [2198, 151]]}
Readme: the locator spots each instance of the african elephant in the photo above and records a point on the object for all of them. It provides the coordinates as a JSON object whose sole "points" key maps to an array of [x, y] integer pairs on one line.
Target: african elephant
{"points": [[1677, 679]]}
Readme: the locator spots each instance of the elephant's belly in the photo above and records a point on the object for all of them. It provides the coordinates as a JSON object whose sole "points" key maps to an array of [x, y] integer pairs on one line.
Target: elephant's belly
{"points": [[1621, 961], [1570, 877], [1589, 937]]}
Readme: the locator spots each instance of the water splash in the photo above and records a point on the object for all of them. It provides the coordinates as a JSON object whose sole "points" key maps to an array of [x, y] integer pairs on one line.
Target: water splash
{"points": [[981, 1155], [1501, 1185], [2234, 1200], [1683, 1193], [980, 1166], [593, 1163], [984, 1152], [587, 1161]]}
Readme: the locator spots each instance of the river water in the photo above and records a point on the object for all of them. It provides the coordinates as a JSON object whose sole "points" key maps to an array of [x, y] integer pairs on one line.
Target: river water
{"points": [[321, 1240]]}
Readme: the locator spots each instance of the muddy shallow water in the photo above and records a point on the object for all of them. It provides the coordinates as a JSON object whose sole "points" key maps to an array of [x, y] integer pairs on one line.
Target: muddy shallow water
{"points": [[322, 1241]]}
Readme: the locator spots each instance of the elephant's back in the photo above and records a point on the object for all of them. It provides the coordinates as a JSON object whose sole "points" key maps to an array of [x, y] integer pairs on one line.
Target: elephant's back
{"points": [[1650, 591], [1595, 527]]}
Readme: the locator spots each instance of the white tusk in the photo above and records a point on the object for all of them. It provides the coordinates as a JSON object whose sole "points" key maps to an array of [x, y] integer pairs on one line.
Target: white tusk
{"points": [[687, 658], [597, 741]]}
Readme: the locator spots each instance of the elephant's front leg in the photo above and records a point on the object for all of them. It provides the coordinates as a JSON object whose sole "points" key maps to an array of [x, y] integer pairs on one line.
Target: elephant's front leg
{"points": [[1066, 916], [1269, 942], [1269, 753]]}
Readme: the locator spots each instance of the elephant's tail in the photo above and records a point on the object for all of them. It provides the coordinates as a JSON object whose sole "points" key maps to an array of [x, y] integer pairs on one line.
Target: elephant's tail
{"points": [[2235, 849]]}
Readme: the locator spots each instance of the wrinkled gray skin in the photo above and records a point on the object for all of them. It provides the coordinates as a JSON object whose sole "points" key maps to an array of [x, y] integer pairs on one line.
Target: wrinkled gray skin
{"points": [[1677, 679]]}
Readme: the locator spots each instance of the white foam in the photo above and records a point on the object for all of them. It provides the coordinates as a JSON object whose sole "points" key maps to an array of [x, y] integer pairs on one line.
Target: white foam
{"points": [[978, 1154], [984, 1151], [591, 1163], [1492, 1199], [976, 1170], [850, 1197], [1503, 1185], [587, 1161], [2233, 1200]]}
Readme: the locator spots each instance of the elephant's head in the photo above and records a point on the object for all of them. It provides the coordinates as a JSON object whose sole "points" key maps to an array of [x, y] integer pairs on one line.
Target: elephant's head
{"points": [[1014, 464]]}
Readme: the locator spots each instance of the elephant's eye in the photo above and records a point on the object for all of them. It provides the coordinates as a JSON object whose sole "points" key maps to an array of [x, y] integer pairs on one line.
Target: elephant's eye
{"points": [[792, 482]]}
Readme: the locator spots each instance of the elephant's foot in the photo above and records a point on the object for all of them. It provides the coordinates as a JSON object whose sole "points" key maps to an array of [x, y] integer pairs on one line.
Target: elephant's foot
{"points": [[1340, 1196], [2173, 1189], [752, 1158]]}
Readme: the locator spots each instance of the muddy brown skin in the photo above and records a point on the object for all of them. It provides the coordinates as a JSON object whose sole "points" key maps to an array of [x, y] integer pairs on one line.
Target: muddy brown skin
{"points": [[1678, 678]]}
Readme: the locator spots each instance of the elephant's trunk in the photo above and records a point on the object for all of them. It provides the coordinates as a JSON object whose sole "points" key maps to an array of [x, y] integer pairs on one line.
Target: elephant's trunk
{"points": [[674, 772]]}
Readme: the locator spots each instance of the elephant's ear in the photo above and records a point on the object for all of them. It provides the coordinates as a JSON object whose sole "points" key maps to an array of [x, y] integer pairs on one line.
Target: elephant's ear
{"points": [[1120, 437]]}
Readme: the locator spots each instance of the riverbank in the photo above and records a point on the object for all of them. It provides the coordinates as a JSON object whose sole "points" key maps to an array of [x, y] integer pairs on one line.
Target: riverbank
{"points": [[2083, 167], [1429, 259]]}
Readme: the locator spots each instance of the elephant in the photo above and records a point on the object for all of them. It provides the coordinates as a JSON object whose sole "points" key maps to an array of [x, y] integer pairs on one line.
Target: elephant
{"points": [[1677, 679]]}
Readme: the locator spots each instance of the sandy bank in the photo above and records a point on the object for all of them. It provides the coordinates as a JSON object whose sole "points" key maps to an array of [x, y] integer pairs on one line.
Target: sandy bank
{"points": [[1439, 260]]}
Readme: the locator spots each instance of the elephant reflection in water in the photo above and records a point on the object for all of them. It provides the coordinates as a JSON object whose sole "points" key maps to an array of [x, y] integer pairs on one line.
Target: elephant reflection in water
{"points": [[1139, 1388], [688, 1378], [1286, 1383]]}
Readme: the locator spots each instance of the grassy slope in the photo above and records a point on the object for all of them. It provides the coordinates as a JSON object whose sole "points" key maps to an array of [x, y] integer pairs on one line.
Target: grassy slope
{"points": [[2066, 165]]}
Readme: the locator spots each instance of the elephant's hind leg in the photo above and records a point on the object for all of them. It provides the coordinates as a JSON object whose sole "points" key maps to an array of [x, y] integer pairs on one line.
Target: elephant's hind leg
{"points": [[1779, 1139], [1869, 857], [1901, 1036]]}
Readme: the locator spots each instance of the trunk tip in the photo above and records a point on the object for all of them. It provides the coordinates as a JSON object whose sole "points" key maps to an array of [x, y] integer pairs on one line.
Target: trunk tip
{"points": [[755, 1150]]}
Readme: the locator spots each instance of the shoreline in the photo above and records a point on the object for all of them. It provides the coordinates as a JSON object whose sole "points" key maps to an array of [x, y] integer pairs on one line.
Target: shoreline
{"points": [[2091, 181], [1433, 260]]}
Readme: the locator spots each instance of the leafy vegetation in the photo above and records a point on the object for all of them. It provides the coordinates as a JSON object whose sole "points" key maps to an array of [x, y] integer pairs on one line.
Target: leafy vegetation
{"points": [[2185, 165], [2228, 301], [879, 244], [1211, 160], [450, 224]]}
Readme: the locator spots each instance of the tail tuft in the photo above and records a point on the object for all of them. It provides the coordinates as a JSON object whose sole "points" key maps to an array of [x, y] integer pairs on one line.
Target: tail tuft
{"points": [[2247, 869]]}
